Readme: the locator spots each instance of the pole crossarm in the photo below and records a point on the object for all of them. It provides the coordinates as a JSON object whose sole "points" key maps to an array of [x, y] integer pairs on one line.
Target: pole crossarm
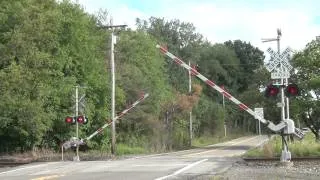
{"points": [[144, 96], [241, 105], [113, 26]]}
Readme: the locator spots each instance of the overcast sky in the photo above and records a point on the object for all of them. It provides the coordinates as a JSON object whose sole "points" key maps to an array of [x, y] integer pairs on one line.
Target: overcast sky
{"points": [[222, 20]]}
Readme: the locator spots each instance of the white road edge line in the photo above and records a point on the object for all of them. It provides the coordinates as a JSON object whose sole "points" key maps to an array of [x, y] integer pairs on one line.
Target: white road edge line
{"points": [[28, 167], [181, 170]]}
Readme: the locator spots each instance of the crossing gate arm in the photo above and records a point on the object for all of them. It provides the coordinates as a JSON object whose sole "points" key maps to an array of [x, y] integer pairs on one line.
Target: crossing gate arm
{"points": [[210, 83], [144, 96]]}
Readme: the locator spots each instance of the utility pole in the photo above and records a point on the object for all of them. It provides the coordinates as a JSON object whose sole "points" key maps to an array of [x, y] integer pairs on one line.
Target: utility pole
{"points": [[190, 119], [113, 42], [77, 124], [113, 146]]}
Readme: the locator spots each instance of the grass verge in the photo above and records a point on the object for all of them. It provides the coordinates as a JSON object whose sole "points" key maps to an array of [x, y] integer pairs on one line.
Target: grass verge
{"points": [[123, 149], [307, 147], [209, 140]]}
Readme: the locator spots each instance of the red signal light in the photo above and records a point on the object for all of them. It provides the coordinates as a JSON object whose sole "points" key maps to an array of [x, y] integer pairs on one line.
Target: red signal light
{"points": [[292, 90], [272, 91], [70, 120], [82, 120]]}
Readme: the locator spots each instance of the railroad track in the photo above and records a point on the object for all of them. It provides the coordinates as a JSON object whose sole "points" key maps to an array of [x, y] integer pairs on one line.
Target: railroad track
{"points": [[12, 164], [278, 159], [10, 161]]}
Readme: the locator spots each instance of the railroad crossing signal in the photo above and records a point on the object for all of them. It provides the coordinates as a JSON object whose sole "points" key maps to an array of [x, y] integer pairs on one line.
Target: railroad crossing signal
{"points": [[70, 120], [282, 60], [80, 119], [291, 90], [272, 90]]}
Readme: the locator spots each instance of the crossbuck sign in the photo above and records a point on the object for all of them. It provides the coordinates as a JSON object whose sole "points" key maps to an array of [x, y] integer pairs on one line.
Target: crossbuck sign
{"points": [[258, 112], [281, 60]]}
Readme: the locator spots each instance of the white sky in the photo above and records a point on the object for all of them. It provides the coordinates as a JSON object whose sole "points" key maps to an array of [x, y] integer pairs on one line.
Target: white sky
{"points": [[219, 21]]}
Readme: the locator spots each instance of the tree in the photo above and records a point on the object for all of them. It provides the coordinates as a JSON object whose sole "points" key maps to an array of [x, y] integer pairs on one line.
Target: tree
{"points": [[180, 38], [140, 67], [251, 58], [39, 69], [220, 64], [307, 77]]}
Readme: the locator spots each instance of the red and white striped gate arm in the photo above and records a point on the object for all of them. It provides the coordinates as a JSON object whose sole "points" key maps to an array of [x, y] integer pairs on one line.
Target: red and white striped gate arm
{"points": [[118, 116], [210, 83], [269, 124]]}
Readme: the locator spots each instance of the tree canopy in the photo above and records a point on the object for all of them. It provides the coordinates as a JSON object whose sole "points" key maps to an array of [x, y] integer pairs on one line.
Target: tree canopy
{"points": [[307, 64]]}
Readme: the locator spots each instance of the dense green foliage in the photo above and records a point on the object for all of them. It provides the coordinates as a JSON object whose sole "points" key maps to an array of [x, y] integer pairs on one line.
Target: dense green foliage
{"points": [[48, 47], [307, 106], [46, 50]]}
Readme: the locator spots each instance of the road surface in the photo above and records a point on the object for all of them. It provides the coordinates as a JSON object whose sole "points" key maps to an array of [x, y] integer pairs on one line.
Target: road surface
{"points": [[176, 165]]}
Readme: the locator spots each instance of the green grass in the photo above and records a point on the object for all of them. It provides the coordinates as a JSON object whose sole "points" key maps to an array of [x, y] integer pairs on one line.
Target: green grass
{"points": [[205, 141], [307, 147], [123, 149]]}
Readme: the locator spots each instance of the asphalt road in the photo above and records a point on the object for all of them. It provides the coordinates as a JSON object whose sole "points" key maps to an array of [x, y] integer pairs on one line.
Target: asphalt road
{"points": [[176, 165]]}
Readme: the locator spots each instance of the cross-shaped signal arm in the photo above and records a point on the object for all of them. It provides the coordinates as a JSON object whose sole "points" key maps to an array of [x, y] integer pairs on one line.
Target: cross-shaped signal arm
{"points": [[279, 58]]}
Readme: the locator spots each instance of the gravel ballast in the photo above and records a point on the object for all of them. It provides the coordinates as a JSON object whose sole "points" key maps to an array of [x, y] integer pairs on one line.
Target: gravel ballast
{"points": [[267, 170]]}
